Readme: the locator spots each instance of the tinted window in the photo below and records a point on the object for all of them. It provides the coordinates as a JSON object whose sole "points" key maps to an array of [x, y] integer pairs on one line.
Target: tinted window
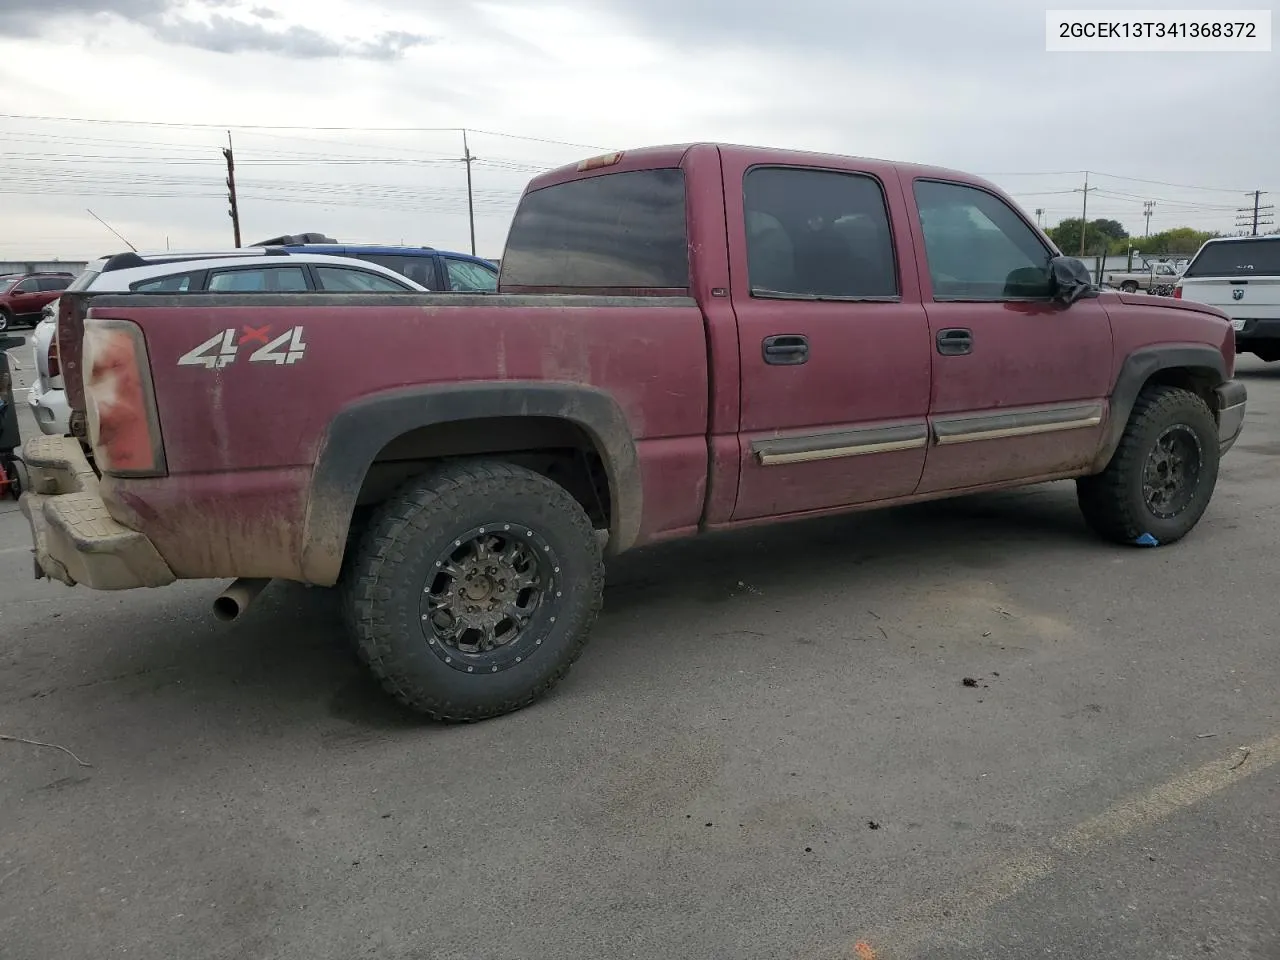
{"points": [[978, 248], [259, 280], [814, 233], [1237, 258], [178, 283], [420, 270], [466, 276], [27, 286], [54, 283], [346, 280], [616, 230]]}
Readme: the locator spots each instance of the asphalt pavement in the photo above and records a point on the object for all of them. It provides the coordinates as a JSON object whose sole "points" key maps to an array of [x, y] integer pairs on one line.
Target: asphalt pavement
{"points": [[767, 751]]}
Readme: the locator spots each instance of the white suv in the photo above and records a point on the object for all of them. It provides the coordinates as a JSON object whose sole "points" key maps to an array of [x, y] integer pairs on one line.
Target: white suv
{"points": [[248, 270]]}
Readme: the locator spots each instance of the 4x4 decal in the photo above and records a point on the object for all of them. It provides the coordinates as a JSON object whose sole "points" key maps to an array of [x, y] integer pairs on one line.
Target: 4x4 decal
{"points": [[223, 348]]}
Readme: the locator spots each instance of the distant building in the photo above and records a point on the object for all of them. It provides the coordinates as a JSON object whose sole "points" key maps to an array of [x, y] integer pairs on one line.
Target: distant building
{"points": [[42, 266]]}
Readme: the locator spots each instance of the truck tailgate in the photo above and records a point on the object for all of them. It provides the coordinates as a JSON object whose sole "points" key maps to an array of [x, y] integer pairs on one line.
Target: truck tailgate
{"points": [[1253, 298]]}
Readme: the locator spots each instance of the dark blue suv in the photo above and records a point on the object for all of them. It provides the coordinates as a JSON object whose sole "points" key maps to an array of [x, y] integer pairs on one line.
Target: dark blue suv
{"points": [[437, 270]]}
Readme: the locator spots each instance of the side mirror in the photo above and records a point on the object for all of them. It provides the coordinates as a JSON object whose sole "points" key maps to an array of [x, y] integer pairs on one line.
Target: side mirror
{"points": [[1069, 281]]}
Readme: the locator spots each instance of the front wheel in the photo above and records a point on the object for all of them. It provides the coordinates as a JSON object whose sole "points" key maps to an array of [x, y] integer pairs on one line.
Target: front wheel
{"points": [[474, 589], [1162, 474], [5, 320]]}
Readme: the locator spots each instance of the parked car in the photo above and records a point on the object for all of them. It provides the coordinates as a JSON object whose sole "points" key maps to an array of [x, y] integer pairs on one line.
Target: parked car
{"points": [[246, 270], [46, 397], [1155, 275], [1241, 277], [439, 270], [23, 296], [255, 271], [721, 336]]}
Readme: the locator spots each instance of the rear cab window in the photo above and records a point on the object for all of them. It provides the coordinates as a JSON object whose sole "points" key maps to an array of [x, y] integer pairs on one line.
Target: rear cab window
{"points": [[1237, 258], [609, 233]]}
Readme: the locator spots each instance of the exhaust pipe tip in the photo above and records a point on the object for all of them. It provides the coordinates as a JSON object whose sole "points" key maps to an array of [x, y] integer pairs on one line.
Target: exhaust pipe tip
{"points": [[234, 601]]}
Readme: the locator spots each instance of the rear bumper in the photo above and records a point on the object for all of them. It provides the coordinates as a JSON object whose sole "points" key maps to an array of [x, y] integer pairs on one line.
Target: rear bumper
{"points": [[50, 409], [74, 538], [1256, 333], [1232, 398]]}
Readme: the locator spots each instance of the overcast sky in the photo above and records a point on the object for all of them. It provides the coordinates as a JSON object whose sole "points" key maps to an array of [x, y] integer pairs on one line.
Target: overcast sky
{"points": [[965, 85]]}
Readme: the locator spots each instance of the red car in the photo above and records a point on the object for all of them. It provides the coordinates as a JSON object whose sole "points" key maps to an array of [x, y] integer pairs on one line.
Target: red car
{"points": [[23, 296], [684, 339]]}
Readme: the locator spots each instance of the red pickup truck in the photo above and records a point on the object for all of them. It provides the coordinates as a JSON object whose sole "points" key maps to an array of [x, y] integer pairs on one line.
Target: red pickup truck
{"points": [[685, 339]]}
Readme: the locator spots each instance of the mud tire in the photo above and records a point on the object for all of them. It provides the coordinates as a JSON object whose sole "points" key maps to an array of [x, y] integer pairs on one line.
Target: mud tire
{"points": [[384, 583], [1114, 503]]}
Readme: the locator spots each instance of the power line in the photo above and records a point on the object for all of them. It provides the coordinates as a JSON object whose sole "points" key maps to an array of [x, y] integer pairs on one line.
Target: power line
{"points": [[312, 129]]}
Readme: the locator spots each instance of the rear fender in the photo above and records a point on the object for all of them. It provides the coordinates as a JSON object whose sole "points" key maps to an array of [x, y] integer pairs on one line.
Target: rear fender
{"points": [[360, 431]]}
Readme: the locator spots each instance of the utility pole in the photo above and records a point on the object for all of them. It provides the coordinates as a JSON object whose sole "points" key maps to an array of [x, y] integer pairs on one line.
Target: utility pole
{"points": [[234, 212], [471, 205], [1039, 214], [1259, 215], [1147, 207], [1084, 212]]}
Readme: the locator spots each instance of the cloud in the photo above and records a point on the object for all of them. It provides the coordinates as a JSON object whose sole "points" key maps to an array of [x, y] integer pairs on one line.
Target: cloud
{"points": [[29, 18], [223, 34], [198, 24]]}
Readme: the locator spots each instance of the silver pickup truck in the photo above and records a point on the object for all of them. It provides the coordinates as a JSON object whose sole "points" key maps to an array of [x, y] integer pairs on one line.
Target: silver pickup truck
{"points": [[1158, 274]]}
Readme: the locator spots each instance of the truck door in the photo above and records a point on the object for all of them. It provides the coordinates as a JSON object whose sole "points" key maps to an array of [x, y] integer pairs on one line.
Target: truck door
{"points": [[833, 340], [1020, 382]]}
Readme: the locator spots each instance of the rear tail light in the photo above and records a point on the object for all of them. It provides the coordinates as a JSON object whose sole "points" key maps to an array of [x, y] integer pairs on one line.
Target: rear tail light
{"points": [[55, 368], [1177, 292], [124, 430]]}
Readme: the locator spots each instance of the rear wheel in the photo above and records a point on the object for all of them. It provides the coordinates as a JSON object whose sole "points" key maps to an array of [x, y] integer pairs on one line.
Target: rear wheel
{"points": [[474, 589], [5, 320], [1129, 287], [1162, 474]]}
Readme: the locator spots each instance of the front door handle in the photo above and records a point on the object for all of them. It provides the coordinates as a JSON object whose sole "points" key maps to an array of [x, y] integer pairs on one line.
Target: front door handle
{"points": [[785, 349], [955, 341]]}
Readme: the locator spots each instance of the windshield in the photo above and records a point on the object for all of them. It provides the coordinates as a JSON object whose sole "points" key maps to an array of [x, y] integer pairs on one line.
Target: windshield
{"points": [[1238, 258]]}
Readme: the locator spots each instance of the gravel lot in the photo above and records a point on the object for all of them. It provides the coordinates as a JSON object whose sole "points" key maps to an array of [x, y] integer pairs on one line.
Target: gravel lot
{"points": [[766, 752]]}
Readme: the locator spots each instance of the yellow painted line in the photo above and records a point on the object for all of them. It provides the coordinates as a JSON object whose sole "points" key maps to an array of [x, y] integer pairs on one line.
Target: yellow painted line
{"points": [[935, 921]]}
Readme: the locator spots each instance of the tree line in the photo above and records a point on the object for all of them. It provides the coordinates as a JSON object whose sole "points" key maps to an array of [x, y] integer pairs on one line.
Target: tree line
{"points": [[1109, 237]]}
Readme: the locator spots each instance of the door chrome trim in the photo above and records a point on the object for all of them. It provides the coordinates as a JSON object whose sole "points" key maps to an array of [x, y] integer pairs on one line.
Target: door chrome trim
{"points": [[1025, 422], [840, 443]]}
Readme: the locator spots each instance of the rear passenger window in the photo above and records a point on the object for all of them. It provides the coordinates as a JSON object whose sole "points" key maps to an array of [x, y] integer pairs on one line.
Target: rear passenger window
{"points": [[819, 234], [346, 280], [615, 231], [54, 283], [978, 248], [420, 270], [178, 283], [259, 280], [468, 277]]}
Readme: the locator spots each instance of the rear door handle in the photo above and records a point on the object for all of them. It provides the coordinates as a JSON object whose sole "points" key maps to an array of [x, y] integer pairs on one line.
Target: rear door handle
{"points": [[955, 341], [785, 349]]}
